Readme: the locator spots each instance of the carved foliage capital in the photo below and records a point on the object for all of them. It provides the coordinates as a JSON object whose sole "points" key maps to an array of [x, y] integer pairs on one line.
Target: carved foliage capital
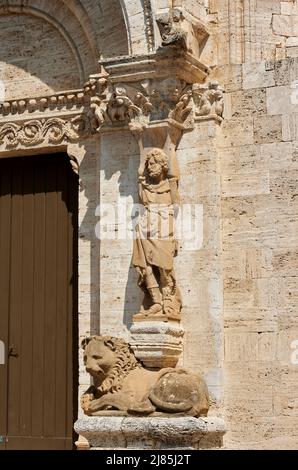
{"points": [[71, 116], [139, 103]]}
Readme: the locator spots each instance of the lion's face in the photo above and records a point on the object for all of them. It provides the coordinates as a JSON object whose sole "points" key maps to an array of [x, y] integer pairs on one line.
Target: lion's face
{"points": [[98, 359]]}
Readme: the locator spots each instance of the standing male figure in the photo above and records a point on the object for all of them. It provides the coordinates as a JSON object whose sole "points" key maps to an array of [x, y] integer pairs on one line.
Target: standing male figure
{"points": [[155, 245]]}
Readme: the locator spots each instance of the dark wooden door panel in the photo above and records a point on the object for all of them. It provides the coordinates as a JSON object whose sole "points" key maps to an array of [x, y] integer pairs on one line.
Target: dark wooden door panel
{"points": [[39, 302], [35, 443], [5, 234]]}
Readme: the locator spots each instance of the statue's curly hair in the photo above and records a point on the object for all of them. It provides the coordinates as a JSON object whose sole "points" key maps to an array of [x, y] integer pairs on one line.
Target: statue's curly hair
{"points": [[160, 157], [125, 362]]}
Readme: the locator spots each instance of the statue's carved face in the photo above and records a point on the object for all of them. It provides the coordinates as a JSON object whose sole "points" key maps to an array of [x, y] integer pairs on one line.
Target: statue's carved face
{"points": [[98, 359], [154, 168]]}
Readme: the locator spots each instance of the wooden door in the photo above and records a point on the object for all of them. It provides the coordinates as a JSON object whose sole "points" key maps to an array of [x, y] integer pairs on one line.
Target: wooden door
{"points": [[38, 302]]}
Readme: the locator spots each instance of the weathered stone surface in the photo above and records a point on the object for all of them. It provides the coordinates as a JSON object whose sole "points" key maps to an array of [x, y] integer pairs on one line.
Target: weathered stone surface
{"points": [[282, 100], [285, 25], [157, 344], [152, 433], [122, 386], [267, 129], [255, 76]]}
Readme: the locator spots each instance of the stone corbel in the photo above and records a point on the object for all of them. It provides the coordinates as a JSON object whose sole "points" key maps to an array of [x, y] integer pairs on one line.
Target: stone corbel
{"points": [[178, 28]]}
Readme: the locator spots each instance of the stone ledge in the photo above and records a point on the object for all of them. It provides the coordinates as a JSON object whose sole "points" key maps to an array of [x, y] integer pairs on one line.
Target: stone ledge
{"points": [[118, 432]]}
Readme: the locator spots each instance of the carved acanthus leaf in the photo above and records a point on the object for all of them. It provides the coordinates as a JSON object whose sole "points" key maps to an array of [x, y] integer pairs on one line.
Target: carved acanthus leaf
{"points": [[183, 110]]}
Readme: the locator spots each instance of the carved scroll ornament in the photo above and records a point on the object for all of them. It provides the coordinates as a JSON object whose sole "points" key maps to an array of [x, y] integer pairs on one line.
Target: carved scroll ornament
{"points": [[34, 132]]}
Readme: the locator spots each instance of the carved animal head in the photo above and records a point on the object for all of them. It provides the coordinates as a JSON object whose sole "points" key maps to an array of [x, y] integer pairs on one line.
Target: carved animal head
{"points": [[108, 360]]}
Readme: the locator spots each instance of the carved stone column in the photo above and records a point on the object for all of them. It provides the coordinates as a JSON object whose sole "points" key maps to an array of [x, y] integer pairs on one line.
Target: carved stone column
{"points": [[149, 113], [153, 109]]}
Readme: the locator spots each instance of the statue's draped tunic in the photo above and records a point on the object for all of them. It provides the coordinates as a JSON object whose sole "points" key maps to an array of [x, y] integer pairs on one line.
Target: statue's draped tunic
{"points": [[154, 242]]}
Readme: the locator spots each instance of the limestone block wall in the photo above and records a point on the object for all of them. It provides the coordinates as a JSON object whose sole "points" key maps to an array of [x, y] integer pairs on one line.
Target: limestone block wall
{"points": [[259, 176], [198, 265], [248, 31], [89, 264], [34, 58]]}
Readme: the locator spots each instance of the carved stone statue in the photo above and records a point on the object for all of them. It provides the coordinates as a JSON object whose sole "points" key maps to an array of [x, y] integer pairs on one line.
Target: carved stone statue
{"points": [[121, 108], [122, 386], [183, 108], [208, 100], [170, 29], [155, 245]]}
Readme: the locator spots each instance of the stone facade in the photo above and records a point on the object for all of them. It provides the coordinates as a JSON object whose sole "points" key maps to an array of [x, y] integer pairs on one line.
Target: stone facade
{"points": [[239, 285]]}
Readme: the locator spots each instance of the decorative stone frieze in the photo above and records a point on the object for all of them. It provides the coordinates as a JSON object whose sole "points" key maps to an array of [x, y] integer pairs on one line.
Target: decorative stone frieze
{"points": [[68, 116], [149, 25], [71, 100], [51, 131], [153, 100], [141, 103]]}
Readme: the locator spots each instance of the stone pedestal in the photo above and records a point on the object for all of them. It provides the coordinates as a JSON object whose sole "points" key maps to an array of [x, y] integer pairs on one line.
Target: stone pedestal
{"points": [[157, 344], [151, 433]]}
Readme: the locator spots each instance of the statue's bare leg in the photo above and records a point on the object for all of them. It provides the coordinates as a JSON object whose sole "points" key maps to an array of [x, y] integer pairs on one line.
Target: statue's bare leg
{"points": [[154, 291]]}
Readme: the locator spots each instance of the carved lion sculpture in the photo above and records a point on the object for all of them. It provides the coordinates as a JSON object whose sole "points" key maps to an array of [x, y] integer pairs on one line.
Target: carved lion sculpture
{"points": [[123, 386]]}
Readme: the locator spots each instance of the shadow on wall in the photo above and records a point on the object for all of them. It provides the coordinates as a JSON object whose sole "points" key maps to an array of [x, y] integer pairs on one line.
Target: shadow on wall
{"points": [[118, 172], [88, 197]]}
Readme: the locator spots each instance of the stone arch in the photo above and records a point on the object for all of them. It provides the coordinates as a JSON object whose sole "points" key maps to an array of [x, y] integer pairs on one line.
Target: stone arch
{"points": [[88, 30], [123, 27], [139, 17], [28, 69]]}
